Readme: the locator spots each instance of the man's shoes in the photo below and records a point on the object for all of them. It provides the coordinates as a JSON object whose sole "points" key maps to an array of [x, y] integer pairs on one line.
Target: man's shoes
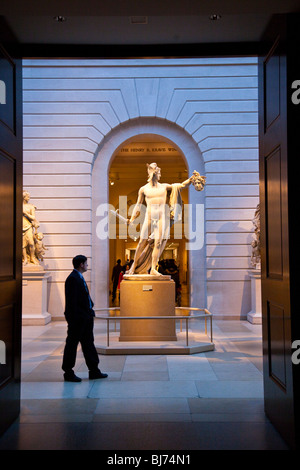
{"points": [[71, 377], [97, 375]]}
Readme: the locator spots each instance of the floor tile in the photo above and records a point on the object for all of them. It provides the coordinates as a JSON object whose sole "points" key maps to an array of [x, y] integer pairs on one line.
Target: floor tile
{"points": [[112, 363], [58, 406], [230, 389], [145, 375], [142, 405], [143, 389], [228, 418], [239, 371], [137, 436], [57, 418], [252, 350], [141, 418], [210, 401], [190, 368], [42, 390], [146, 363], [226, 405], [48, 370]]}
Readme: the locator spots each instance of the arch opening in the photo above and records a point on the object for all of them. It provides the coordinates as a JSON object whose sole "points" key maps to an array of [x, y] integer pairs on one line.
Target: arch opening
{"points": [[127, 173], [121, 162]]}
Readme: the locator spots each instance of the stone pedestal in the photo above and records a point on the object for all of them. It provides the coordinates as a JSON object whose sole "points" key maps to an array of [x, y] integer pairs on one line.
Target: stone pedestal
{"points": [[254, 316], [34, 292], [146, 296]]}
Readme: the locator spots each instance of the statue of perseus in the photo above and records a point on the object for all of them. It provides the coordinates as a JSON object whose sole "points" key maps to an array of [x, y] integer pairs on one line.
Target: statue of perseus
{"points": [[157, 223]]}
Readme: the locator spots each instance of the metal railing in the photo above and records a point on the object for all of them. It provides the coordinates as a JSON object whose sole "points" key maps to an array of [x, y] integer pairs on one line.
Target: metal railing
{"points": [[188, 317]]}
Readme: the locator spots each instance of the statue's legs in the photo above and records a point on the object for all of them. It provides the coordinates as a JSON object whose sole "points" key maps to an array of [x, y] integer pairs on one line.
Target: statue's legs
{"points": [[25, 260], [140, 248], [33, 258], [29, 247], [142, 243], [158, 226], [154, 227]]}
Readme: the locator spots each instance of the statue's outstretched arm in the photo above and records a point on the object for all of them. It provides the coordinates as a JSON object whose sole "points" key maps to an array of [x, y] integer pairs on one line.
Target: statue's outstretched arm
{"points": [[187, 182]]}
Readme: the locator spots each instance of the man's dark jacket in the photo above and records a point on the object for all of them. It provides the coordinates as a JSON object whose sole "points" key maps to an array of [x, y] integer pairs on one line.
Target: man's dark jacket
{"points": [[77, 298]]}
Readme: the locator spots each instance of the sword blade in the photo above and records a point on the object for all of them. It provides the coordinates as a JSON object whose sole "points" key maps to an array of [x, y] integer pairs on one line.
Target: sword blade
{"points": [[120, 217]]}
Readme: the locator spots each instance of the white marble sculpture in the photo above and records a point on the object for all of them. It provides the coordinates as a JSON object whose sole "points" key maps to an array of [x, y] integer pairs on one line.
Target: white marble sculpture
{"points": [[40, 248], [33, 248], [255, 256], [156, 225]]}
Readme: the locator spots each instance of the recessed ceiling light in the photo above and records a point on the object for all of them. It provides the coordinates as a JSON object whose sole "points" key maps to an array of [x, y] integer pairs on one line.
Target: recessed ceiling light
{"points": [[215, 17], [138, 19], [60, 19]]}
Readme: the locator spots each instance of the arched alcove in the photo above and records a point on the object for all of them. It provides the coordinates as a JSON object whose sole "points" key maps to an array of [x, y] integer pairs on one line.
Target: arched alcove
{"points": [[109, 147], [127, 174]]}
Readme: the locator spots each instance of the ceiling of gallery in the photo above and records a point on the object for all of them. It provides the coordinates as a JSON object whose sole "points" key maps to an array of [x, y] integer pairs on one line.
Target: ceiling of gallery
{"points": [[141, 21]]}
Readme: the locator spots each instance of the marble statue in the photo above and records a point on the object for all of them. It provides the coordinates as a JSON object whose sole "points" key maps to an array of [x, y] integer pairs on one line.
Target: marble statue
{"points": [[255, 255], [31, 239], [39, 246], [156, 225]]}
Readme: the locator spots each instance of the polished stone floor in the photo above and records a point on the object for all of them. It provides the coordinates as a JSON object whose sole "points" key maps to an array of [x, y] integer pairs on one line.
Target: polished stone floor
{"points": [[204, 401]]}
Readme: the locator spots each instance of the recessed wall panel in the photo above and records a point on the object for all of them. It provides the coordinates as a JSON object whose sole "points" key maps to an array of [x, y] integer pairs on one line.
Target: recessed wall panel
{"points": [[272, 89], [274, 215], [277, 369], [7, 211], [6, 338], [7, 91]]}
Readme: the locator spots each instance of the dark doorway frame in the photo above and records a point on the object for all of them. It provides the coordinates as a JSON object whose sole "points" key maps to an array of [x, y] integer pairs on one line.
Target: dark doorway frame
{"points": [[259, 49]]}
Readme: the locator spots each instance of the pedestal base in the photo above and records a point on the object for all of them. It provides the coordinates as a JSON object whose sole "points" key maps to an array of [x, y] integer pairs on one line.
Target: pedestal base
{"points": [[34, 291], [147, 297], [254, 316], [198, 343]]}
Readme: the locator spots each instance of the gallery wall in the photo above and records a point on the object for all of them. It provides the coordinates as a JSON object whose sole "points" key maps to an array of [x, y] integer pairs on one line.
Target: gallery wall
{"points": [[72, 106]]}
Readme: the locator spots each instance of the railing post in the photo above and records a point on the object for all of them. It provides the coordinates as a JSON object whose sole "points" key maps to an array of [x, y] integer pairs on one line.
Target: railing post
{"points": [[107, 331], [187, 330]]}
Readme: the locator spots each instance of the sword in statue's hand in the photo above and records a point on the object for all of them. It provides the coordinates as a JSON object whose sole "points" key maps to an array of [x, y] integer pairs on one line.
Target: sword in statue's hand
{"points": [[120, 217]]}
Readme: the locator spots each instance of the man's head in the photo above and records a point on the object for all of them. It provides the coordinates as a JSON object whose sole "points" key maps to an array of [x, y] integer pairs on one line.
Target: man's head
{"points": [[153, 171], [80, 263]]}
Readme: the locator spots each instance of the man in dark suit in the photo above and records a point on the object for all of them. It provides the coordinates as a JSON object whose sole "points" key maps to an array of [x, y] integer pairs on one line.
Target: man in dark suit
{"points": [[79, 314]]}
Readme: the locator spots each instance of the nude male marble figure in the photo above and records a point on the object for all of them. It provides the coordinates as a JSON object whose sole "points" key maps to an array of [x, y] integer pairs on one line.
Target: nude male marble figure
{"points": [[156, 222]]}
